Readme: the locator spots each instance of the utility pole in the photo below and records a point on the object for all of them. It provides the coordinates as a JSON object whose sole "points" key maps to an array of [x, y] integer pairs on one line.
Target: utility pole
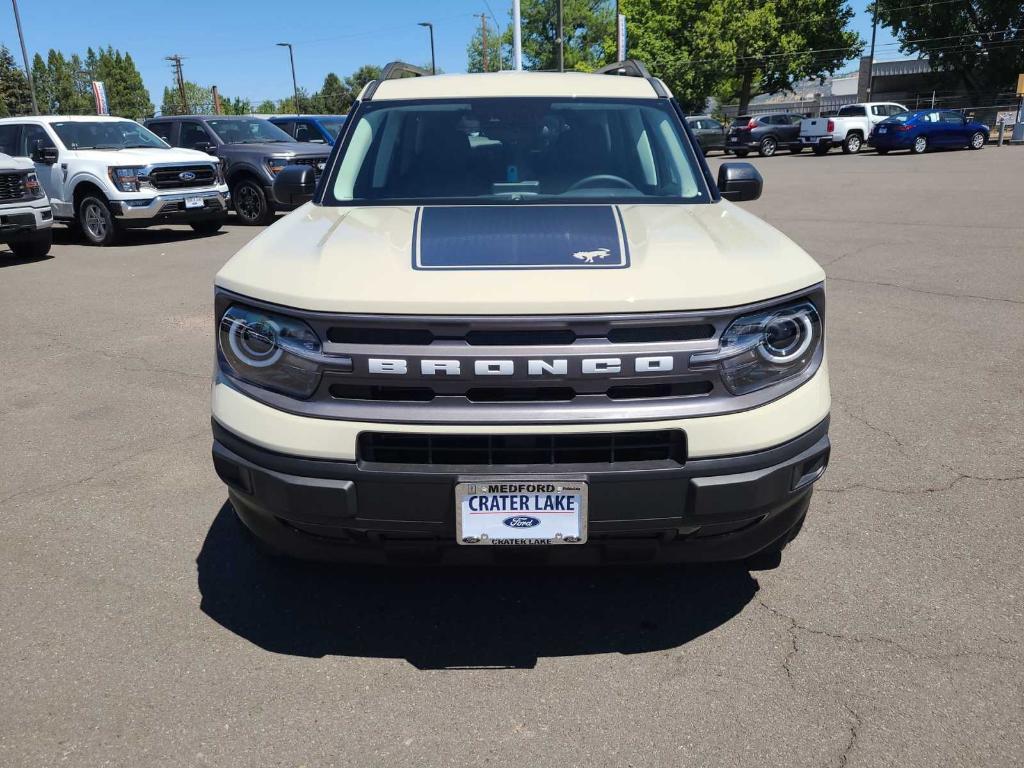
{"points": [[485, 60], [176, 61], [871, 70], [295, 86], [217, 109], [561, 39], [517, 36], [24, 55]]}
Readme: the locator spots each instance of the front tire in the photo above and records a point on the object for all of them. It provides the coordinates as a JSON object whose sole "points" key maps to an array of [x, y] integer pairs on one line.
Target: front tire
{"points": [[977, 140], [768, 147], [36, 247], [920, 145], [251, 203], [852, 144], [96, 221], [207, 227]]}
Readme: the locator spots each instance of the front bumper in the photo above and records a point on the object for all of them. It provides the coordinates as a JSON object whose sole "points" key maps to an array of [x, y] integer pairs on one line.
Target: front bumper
{"points": [[21, 221], [170, 207], [705, 509]]}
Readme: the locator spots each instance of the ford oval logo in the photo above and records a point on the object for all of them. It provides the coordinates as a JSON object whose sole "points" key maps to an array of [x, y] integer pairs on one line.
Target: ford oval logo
{"points": [[521, 521], [187, 176]]}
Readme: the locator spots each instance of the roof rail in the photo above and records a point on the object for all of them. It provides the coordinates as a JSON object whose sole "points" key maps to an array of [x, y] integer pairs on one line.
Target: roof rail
{"points": [[394, 71], [634, 68]]}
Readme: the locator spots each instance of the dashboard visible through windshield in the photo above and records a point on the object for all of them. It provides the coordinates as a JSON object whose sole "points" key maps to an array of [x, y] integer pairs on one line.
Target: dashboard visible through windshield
{"points": [[516, 150]]}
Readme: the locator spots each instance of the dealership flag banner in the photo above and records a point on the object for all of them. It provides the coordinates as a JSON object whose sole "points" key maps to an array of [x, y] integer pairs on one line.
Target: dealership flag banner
{"points": [[100, 92]]}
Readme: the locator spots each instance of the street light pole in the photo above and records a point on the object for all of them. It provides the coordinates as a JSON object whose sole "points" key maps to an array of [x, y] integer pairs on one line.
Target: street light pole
{"points": [[871, 70], [433, 63], [24, 55], [295, 86]]}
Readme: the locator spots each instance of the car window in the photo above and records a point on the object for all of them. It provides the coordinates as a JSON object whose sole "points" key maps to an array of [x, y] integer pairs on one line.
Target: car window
{"points": [[9, 138], [510, 150], [949, 116], [288, 126], [714, 125], [31, 135], [896, 109], [106, 134], [163, 130], [307, 133], [333, 126], [247, 130], [192, 134], [879, 109], [930, 117], [851, 111]]}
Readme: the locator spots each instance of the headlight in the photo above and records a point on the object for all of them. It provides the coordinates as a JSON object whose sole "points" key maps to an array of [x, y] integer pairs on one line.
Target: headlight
{"points": [[32, 186], [126, 179], [762, 349], [277, 164], [271, 351]]}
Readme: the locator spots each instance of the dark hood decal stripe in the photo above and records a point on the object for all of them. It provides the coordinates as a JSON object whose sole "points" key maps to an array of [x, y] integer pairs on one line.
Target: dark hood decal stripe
{"points": [[483, 237]]}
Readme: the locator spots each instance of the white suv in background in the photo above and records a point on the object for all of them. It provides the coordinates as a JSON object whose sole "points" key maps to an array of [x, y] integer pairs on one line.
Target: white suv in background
{"points": [[105, 174]]}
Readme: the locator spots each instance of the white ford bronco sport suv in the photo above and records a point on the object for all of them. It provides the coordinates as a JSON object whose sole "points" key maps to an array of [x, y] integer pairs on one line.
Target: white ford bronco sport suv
{"points": [[519, 320], [26, 221], [105, 174]]}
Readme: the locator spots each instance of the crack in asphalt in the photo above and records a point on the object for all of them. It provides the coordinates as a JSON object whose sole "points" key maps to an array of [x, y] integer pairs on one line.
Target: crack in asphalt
{"points": [[1017, 302], [855, 727], [43, 490]]}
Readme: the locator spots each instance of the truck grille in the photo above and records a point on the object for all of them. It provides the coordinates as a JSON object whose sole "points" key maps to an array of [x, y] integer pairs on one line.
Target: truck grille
{"points": [[316, 163], [535, 450], [12, 186], [170, 177]]}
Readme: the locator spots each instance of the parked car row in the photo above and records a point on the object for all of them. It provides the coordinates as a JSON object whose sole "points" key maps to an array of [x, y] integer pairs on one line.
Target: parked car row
{"points": [[101, 175], [882, 125]]}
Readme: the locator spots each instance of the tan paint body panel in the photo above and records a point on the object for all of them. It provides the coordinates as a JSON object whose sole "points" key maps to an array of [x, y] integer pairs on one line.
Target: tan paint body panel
{"points": [[359, 259], [560, 85], [731, 434]]}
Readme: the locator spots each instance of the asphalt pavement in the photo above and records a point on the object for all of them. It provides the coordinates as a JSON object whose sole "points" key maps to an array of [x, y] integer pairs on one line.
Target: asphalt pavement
{"points": [[138, 627]]}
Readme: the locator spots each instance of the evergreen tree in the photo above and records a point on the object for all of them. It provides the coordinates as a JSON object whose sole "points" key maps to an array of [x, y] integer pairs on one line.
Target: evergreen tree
{"points": [[126, 94], [15, 96], [333, 98], [499, 54], [266, 107]]}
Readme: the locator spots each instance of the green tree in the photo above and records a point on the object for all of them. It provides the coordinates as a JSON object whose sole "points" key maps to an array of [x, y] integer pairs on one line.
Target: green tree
{"points": [[199, 98], [498, 52], [41, 78], [236, 106], [333, 97], [358, 80], [266, 107], [588, 27], [981, 40], [736, 49], [15, 96], [126, 94]]}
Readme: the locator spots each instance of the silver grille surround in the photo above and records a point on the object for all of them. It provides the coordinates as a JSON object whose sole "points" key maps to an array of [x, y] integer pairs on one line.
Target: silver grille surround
{"points": [[451, 406]]}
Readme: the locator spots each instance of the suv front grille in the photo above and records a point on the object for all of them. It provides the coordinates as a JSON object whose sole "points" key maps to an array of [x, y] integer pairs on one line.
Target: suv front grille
{"points": [[536, 450], [12, 186], [170, 177], [316, 163]]}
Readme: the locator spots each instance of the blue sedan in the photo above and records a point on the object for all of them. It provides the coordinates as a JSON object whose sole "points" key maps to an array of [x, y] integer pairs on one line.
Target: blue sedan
{"points": [[927, 129]]}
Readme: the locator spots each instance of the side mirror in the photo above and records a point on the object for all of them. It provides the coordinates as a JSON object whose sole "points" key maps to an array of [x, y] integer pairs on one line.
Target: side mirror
{"points": [[739, 181], [295, 184], [45, 155], [205, 146]]}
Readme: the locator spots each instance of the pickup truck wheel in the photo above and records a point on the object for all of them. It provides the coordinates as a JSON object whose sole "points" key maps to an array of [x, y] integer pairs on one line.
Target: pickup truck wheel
{"points": [[96, 221], [920, 145], [207, 227], [34, 248], [977, 140], [820, 149], [852, 144], [741, 152], [768, 147], [251, 203]]}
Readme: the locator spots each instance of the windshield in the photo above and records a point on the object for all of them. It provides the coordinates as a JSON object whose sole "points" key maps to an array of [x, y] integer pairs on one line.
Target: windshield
{"points": [[106, 134], [333, 126], [247, 130], [505, 150]]}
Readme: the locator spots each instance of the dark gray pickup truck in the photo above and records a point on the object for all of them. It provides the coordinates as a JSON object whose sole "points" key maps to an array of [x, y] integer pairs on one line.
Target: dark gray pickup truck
{"points": [[252, 152]]}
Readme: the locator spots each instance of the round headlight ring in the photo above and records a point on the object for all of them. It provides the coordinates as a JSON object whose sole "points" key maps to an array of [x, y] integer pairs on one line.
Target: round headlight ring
{"points": [[242, 337], [784, 356]]}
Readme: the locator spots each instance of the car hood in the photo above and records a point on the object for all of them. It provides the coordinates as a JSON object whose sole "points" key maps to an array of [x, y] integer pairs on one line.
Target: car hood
{"points": [[540, 259], [296, 148], [143, 156], [11, 163]]}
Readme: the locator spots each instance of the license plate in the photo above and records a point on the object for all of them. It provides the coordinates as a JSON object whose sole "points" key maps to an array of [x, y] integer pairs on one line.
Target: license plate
{"points": [[193, 202], [521, 512], [883, 130], [733, 139]]}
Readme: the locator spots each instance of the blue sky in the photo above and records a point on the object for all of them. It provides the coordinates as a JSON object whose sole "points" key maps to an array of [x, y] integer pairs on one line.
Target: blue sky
{"points": [[231, 43]]}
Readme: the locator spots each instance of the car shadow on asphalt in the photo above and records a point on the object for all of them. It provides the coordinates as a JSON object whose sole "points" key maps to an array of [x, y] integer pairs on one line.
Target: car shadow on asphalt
{"points": [[8, 259], [132, 238], [457, 618]]}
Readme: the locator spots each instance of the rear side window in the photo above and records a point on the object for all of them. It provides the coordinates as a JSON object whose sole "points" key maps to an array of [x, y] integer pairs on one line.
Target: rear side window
{"points": [[163, 130], [851, 111], [193, 134], [306, 133]]}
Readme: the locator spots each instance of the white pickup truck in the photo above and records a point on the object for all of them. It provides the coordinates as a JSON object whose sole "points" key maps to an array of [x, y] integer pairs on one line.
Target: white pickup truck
{"points": [[849, 128], [107, 174], [26, 220]]}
